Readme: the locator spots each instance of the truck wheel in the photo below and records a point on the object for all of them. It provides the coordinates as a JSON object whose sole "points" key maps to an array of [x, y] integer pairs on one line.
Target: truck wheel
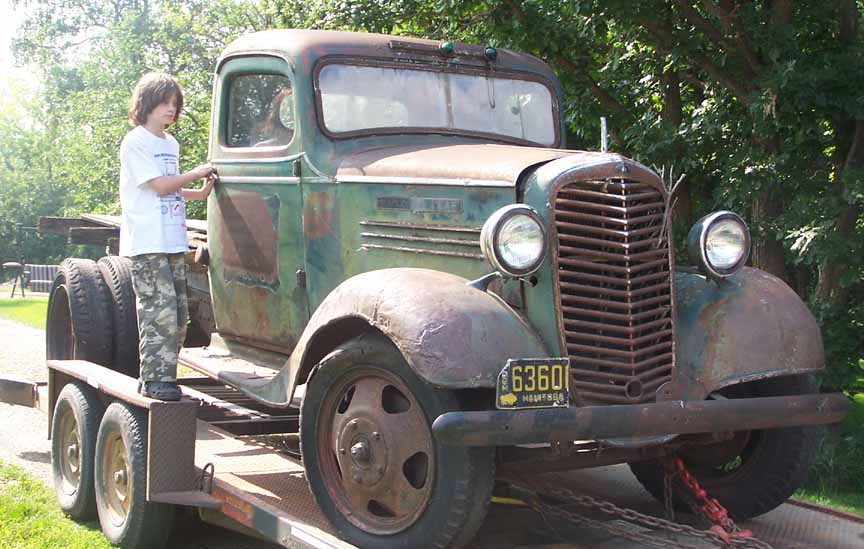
{"points": [[79, 319], [370, 458], [754, 472], [117, 273], [127, 518], [73, 443]]}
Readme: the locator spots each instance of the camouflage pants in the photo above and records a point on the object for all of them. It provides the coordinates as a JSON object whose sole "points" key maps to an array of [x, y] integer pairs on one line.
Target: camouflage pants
{"points": [[163, 312]]}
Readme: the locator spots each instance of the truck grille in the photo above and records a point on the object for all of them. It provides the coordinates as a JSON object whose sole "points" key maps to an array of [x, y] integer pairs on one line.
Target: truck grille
{"points": [[616, 290]]}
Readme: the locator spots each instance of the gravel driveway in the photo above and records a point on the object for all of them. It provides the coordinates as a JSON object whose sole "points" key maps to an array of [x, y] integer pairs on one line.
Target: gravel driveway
{"points": [[24, 437]]}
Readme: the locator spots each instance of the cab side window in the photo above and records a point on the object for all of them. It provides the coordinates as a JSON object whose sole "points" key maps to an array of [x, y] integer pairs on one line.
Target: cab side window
{"points": [[260, 111]]}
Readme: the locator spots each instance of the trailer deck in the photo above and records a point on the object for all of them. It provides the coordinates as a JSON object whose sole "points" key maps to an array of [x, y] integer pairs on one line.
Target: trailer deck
{"points": [[265, 472], [247, 476]]}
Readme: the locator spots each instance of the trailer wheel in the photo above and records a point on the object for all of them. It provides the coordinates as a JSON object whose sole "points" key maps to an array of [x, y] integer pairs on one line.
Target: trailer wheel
{"points": [[79, 317], [127, 518], [117, 273], [73, 443], [755, 471], [370, 458]]}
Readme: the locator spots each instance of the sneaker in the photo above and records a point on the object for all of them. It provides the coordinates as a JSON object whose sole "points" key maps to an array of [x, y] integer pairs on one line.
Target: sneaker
{"points": [[161, 390]]}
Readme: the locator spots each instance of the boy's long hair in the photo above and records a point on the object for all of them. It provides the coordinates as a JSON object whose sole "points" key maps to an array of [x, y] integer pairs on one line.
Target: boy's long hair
{"points": [[150, 91]]}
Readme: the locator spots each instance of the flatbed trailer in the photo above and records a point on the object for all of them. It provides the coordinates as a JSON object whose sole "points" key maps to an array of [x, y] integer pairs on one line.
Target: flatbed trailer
{"points": [[200, 455], [244, 473]]}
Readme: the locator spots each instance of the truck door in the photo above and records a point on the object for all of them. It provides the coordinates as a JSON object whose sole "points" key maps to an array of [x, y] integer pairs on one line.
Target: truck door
{"points": [[254, 215]]}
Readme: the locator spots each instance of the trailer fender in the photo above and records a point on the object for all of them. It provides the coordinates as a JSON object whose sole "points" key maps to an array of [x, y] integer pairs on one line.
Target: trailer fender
{"points": [[451, 334], [748, 327]]}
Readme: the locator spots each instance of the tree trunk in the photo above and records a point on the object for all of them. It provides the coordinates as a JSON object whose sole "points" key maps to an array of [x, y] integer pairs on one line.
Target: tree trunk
{"points": [[768, 253], [849, 142], [832, 269]]}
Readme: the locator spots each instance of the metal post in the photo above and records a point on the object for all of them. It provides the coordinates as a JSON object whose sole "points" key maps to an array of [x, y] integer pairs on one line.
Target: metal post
{"points": [[604, 143]]}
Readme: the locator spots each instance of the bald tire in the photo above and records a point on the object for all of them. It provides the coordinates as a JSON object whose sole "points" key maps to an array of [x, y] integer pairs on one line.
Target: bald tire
{"points": [[463, 477], [79, 323]]}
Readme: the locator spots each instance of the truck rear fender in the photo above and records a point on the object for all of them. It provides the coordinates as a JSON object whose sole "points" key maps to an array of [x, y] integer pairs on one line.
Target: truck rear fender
{"points": [[749, 327], [452, 335]]}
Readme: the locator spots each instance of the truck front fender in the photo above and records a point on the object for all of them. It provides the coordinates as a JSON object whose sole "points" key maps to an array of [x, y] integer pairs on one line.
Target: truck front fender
{"points": [[750, 326], [452, 335]]}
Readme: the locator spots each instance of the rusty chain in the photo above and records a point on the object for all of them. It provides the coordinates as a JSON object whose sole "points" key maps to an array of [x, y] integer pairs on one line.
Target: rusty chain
{"points": [[533, 493]]}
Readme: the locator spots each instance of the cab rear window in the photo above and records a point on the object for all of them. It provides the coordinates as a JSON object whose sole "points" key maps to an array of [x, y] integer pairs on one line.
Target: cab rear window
{"points": [[260, 111]]}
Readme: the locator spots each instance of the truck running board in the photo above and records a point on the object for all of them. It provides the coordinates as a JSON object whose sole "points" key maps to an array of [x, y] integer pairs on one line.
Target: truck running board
{"points": [[256, 373]]}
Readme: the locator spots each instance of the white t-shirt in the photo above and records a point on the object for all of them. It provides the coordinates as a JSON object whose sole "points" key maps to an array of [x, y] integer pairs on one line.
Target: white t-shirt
{"points": [[150, 223]]}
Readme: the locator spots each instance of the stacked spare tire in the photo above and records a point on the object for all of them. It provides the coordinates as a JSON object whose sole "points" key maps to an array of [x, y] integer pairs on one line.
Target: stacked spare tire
{"points": [[92, 316]]}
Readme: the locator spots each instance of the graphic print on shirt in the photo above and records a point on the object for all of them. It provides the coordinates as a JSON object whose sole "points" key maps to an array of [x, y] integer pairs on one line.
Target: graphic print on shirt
{"points": [[169, 163], [172, 208]]}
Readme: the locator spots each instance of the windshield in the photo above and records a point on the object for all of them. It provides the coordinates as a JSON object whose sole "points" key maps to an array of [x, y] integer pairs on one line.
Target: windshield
{"points": [[357, 98]]}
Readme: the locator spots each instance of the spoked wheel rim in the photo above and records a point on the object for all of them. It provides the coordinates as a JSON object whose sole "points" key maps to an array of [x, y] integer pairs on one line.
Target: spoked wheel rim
{"points": [[70, 453], [115, 479], [376, 451]]}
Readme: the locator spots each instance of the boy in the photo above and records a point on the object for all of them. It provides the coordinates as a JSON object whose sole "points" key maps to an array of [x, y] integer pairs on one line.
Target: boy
{"points": [[153, 228]]}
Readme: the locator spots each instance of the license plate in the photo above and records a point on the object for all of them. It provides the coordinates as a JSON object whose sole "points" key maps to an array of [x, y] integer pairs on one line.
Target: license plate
{"points": [[533, 383]]}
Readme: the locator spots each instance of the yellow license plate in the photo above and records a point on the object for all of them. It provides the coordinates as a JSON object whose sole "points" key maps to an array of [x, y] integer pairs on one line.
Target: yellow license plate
{"points": [[533, 383]]}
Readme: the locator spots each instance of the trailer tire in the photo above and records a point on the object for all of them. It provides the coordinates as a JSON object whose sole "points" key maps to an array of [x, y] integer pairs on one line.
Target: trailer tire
{"points": [[443, 492], [770, 465], [117, 273], [73, 444], [127, 518], [79, 317]]}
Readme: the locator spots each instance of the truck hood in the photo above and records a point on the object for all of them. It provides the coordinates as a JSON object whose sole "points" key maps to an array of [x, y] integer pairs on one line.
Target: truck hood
{"points": [[498, 165]]}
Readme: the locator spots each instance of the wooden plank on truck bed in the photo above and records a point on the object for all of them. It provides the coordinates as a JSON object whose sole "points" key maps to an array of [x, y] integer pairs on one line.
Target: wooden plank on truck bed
{"points": [[92, 235], [61, 225], [197, 225]]}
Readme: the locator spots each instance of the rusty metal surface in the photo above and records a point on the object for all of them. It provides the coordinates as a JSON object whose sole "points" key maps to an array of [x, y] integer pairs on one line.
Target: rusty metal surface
{"points": [[485, 428], [377, 465], [310, 45], [102, 379], [452, 335], [19, 392], [787, 527], [171, 447], [263, 489], [543, 298], [422, 239], [463, 163], [750, 327], [249, 237], [614, 281], [256, 484]]}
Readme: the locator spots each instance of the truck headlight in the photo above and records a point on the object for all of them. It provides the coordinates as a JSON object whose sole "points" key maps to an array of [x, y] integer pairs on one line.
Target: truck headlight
{"points": [[514, 240], [719, 244]]}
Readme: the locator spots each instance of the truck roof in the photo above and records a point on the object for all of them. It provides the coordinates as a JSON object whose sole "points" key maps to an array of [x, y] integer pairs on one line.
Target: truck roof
{"points": [[307, 46]]}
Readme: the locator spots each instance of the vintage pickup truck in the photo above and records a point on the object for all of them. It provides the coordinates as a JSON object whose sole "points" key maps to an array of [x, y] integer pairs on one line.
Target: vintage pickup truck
{"points": [[401, 246]]}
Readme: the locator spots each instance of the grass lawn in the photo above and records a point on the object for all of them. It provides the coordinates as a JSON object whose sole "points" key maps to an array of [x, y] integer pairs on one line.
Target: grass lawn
{"points": [[30, 311], [851, 502], [30, 517], [837, 478]]}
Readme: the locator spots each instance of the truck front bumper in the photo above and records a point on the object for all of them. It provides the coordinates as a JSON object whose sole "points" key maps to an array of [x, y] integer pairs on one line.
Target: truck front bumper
{"points": [[506, 428]]}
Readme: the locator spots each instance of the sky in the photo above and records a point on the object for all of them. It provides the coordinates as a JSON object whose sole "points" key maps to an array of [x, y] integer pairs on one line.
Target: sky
{"points": [[10, 19]]}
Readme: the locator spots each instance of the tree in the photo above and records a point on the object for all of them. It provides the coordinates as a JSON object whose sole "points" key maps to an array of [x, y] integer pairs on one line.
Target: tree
{"points": [[758, 102]]}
